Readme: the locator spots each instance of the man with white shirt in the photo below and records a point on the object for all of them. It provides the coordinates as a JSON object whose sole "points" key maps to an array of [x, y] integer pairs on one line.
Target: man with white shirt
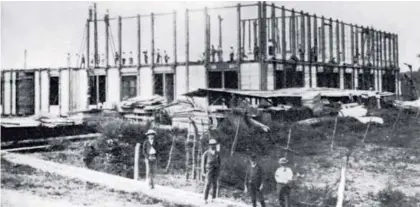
{"points": [[283, 176], [150, 156]]}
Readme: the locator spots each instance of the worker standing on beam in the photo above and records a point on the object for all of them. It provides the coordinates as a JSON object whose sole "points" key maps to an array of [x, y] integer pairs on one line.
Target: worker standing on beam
{"points": [[213, 54], [232, 54], [145, 57], [166, 57], [83, 62], [116, 58], [150, 156], [158, 57], [254, 181], [210, 166], [220, 53], [283, 176], [130, 59]]}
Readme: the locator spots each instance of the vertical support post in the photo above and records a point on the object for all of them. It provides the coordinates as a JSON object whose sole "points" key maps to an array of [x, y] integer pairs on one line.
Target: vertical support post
{"points": [[106, 20], [220, 31], [337, 41], [87, 57], [175, 55], [315, 81], [273, 28], [187, 50], [352, 55], [309, 49], [239, 43], [396, 51], [323, 38], [40, 89], [362, 40], [136, 161], [249, 37], [293, 32], [206, 45], [343, 42], [138, 54], [390, 53], [13, 91], [95, 34], [331, 40], [356, 35], [302, 36], [152, 61], [283, 43]]}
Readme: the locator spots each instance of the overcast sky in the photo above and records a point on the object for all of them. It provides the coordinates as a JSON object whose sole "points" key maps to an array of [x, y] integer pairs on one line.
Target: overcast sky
{"points": [[49, 30]]}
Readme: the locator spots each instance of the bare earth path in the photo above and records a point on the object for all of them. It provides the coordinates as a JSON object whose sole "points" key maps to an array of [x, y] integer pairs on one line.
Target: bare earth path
{"points": [[116, 183]]}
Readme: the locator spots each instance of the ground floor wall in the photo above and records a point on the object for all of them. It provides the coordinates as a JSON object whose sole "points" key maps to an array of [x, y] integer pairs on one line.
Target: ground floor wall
{"points": [[65, 90]]}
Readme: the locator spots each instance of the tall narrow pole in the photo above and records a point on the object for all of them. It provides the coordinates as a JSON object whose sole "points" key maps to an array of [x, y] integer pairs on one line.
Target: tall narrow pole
{"points": [[343, 42], [302, 37], [88, 57], [273, 28], [106, 18], [260, 46], [337, 41], [95, 34], [138, 54], [152, 29], [331, 40], [316, 37], [323, 38], [138, 41], [119, 50], [283, 43], [187, 50], [206, 45], [239, 43], [174, 40], [220, 30], [175, 54], [309, 47], [293, 33]]}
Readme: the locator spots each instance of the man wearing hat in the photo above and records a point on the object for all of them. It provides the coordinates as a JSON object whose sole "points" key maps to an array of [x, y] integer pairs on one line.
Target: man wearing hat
{"points": [[283, 176], [210, 166], [150, 156], [254, 181]]}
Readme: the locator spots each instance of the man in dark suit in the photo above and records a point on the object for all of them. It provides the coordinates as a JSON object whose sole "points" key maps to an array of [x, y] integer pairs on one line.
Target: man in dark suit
{"points": [[254, 182], [150, 153]]}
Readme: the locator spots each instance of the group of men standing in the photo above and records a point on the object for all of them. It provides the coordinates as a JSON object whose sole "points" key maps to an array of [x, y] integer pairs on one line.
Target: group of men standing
{"points": [[211, 167]]}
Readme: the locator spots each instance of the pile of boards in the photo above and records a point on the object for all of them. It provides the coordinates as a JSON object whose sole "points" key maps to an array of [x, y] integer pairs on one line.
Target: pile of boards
{"points": [[141, 108]]}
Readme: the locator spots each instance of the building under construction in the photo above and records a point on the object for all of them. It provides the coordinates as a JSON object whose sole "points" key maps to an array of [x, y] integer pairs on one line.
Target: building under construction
{"points": [[256, 46]]}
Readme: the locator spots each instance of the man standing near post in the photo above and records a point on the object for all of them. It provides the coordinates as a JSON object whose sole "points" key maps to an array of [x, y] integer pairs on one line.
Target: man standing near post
{"points": [[254, 182], [150, 156], [283, 176], [210, 166]]}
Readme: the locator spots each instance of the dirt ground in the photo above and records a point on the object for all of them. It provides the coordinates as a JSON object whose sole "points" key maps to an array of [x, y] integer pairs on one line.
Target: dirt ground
{"points": [[371, 168], [24, 186]]}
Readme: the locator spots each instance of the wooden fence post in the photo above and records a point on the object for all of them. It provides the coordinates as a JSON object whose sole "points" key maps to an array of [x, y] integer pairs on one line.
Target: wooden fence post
{"points": [[136, 161]]}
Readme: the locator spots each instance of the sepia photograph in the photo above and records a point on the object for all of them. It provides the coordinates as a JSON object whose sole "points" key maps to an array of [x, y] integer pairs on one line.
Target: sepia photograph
{"points": [[210, 103]]}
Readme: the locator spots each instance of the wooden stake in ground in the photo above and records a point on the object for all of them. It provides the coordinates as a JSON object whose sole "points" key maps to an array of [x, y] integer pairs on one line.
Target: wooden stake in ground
{"points": [[235, 141], [367, 129], [136, 161], [333, 135], [187, 156], [171, 152], [288, 141], [341, 187]]}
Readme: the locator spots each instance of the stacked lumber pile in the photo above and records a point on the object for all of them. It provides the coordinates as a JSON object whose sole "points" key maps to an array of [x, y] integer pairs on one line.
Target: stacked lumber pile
{"points": [[141, 108]]}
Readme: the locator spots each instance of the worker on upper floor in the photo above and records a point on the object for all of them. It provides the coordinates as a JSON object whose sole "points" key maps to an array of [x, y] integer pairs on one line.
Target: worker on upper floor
{"points": [[256, 52], [116, 58], [270, 48], [158, 57], [213, 54], [231, 55], [166, 57], [130, 59], [146, 57]]}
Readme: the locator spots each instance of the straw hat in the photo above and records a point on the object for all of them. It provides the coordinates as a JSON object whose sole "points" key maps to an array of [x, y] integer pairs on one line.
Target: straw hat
{"points": [[151, 131], [283, 160], [212, 141]]}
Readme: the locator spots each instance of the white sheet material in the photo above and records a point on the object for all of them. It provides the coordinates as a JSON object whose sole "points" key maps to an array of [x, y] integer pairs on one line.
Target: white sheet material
{"points": [[372, 119], [352, 111]]}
